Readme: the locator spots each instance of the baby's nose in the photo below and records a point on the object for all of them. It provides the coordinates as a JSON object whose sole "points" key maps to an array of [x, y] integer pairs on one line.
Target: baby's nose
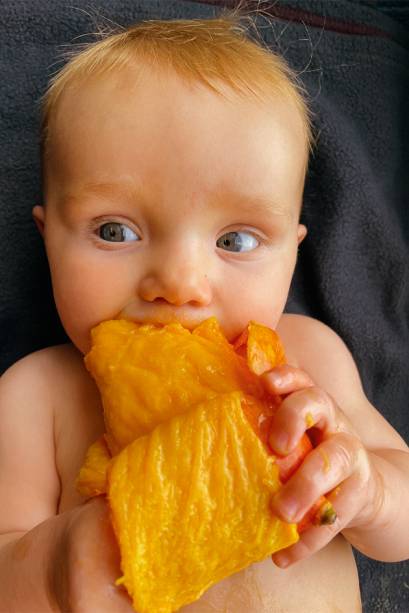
{"points": [[178, 286]]}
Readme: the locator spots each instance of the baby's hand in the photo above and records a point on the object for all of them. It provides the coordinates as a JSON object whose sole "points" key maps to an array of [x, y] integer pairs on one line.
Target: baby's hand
{"points": [[85, 564], [339, 467]]}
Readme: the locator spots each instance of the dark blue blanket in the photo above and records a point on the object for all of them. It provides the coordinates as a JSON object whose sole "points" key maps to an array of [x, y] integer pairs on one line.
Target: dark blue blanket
{"points": [[353, 268]]}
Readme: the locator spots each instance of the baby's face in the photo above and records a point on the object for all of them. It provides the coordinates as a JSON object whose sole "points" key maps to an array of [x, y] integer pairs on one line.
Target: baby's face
{"points": [[169, 203]]}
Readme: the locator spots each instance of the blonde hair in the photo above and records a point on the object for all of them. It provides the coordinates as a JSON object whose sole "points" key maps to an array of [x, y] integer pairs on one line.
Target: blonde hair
{"points": [[205, 50]]}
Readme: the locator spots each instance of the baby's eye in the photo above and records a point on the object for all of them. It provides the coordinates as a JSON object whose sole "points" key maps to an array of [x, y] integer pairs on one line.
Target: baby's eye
{"points": [[243, 241], [116, 232]]}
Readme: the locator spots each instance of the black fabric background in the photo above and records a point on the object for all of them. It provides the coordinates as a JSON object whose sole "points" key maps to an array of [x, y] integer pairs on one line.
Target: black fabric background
{"points": [[352, 271]]}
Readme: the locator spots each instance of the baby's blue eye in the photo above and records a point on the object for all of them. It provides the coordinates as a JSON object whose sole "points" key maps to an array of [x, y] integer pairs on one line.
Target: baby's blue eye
{"points": [[244, 241], [115, 232]]}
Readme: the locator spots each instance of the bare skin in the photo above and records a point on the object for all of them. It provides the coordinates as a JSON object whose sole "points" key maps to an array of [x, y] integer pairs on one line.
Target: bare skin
{"points": [[227, 169]]}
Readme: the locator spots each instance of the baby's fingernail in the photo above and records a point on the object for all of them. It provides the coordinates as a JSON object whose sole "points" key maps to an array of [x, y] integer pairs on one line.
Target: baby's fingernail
{"points": [[282, 560], [288, 508], [275, 378]]}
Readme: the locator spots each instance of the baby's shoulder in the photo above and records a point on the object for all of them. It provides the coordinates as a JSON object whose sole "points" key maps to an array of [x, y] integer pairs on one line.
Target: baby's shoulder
{"points": [[304, 336], [48, 380], [49, 396], [316, 348], [46, 369]]}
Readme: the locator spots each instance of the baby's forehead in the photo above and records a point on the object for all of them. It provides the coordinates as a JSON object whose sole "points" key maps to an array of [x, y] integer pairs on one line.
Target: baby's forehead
{"points": [[122, 118], [138, 88]]}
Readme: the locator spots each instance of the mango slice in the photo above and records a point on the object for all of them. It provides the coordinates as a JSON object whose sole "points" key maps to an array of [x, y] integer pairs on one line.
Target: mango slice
{"points": [[190, 505], [263, 348], [184, 460], [147, 374], [91, 480]]}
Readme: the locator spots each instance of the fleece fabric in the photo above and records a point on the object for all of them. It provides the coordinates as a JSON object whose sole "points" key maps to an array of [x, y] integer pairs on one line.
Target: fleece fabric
{"points": [[352, 271]]}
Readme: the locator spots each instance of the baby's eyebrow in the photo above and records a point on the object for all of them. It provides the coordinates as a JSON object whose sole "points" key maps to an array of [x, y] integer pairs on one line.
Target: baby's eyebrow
{"points": [[260, 205], [99, 189], [244, 203]]}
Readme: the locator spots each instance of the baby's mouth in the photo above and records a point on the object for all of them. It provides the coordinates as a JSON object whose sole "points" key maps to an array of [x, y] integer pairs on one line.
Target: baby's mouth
{"points": [[162, 318]]}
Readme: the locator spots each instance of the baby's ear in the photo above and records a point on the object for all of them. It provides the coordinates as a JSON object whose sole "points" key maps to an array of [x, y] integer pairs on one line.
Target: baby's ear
{"points": [[38, 216], [302, 233]]}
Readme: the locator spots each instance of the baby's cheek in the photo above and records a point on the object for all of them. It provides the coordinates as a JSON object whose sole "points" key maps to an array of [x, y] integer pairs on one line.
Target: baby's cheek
{"points": [[86, 295], [250, 299]]}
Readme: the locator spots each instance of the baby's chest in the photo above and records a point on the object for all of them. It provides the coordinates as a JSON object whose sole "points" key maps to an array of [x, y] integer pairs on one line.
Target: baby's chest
{"points": [[315, 585], [70, 457], [78, 423]]}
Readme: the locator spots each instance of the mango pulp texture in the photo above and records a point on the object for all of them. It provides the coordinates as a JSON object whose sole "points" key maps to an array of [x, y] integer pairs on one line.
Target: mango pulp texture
{"points": [[182, 462]]}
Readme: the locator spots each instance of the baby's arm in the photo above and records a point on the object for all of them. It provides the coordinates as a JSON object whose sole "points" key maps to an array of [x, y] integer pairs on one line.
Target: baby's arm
{"points": [[357, 450], [29, 485], [48, 562]]}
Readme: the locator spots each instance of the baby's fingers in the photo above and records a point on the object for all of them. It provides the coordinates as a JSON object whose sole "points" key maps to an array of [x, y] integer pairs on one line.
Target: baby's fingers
{"points": [[298, 412], [315, 538], [285, 379], [329, 464]]}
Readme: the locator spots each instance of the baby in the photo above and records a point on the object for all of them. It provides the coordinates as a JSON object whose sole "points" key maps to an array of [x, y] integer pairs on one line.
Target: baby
{"points": [[175, 156]]}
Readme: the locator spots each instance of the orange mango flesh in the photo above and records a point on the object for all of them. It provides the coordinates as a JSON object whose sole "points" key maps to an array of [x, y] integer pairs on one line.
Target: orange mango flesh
{"points": [[168, 395], [201, 512], [92, 478], [147, 374]]}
